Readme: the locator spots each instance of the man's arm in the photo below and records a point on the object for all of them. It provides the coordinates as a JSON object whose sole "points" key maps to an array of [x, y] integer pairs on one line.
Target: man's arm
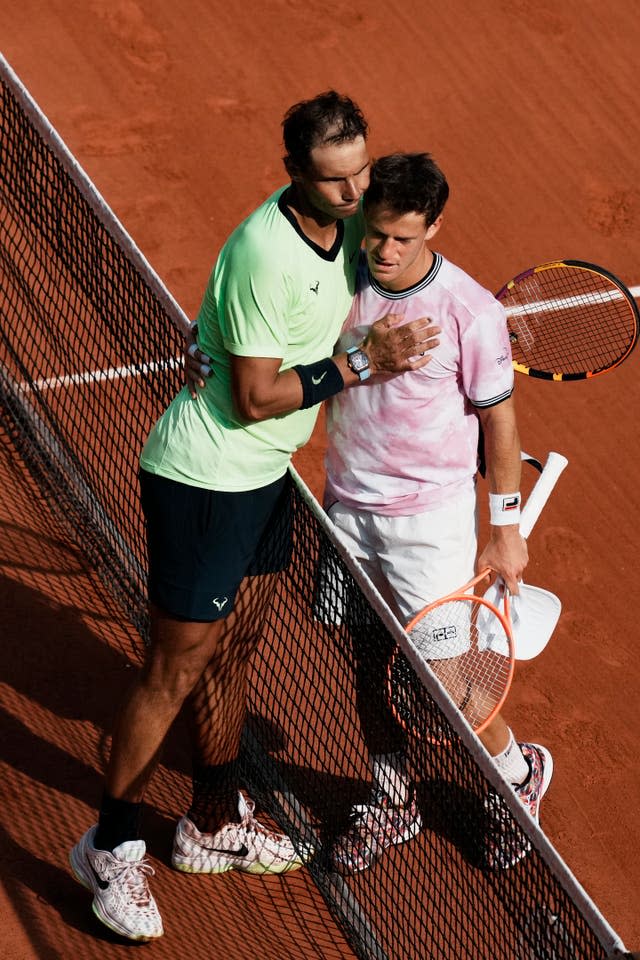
{"points": [[506, 552], [260, 391]]}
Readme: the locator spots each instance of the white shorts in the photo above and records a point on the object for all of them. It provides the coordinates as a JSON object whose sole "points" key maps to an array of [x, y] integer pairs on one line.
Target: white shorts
{"points": [[412, 560]]}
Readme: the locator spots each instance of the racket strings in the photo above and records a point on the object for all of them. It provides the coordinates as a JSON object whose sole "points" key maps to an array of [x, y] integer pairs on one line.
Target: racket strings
{"points": [[568, 319], [469, 650]]}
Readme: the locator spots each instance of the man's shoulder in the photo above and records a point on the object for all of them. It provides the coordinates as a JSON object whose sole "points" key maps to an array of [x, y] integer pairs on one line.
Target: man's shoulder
{"points": [[465, 289], [259, 243], [261, 224]]}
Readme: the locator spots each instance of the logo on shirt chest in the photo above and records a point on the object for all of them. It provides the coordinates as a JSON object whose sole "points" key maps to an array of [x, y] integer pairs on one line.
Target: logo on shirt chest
{"points": [[314, 287]]}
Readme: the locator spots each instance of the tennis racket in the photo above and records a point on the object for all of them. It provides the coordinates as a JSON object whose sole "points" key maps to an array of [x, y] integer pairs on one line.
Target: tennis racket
{"points": [[534, 611], [569, 320], [467, 641]]}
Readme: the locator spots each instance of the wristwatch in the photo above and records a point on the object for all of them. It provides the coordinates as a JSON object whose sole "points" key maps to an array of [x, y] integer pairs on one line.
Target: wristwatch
{"points": [[358, 361]]}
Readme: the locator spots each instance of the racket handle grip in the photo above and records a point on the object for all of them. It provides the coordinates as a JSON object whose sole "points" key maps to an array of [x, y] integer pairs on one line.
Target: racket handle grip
{"points": [[540, 494]]}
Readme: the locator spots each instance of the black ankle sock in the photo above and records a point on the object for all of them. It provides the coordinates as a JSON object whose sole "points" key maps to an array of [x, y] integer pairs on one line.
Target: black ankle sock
{"points": [[119, 821], [215, 796]]}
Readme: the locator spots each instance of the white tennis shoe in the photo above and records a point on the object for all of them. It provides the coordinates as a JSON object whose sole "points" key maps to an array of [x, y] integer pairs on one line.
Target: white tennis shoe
{"points": [[121, 896], [247, 846]]}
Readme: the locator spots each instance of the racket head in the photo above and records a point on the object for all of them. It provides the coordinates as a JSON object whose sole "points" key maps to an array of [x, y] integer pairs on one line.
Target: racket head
{"points": [[569, 320], [456, 636]]}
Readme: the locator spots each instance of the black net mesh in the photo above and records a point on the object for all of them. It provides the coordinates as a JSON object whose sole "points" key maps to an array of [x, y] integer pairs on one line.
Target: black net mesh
{"points": [[87, 362]]}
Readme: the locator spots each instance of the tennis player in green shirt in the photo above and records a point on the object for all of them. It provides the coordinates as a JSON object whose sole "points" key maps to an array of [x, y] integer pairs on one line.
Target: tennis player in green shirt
{"points": [[215, 496]]}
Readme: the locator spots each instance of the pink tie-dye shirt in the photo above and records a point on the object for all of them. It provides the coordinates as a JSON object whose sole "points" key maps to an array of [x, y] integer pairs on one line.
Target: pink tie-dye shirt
{"points": [[401, 445]]}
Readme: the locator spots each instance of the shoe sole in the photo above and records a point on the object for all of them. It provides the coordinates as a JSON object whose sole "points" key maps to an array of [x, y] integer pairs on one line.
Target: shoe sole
{"points": [[254, 868], [84, 878]]}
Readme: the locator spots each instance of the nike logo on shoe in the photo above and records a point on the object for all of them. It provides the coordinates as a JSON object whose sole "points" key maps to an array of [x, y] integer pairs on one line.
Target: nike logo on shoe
{"points": [[242, 851], [316, 380], [103, 884]]}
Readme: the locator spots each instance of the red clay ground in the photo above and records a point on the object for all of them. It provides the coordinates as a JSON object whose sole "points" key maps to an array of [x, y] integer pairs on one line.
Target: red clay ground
{"points": [[174, 112]]}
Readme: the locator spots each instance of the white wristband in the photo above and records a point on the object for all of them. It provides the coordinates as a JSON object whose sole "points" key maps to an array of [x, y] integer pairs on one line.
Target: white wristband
{"points": [[504, 508]]}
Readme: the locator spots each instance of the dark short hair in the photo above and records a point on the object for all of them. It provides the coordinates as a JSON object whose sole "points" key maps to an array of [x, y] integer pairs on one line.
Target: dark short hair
{"points": [[408, 183], [329, 117]]}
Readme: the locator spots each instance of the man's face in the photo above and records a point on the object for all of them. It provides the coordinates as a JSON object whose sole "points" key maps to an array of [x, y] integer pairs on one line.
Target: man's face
{"points": [[396, 245], [336, 177]]}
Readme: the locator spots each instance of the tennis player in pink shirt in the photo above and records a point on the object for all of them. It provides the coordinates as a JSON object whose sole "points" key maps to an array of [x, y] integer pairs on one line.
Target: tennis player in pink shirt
{"points": [[402, 463]]}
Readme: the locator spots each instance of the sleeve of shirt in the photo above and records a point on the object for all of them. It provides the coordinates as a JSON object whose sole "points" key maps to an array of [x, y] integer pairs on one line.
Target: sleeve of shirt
{"points": [[250, 294], [487, 370]]}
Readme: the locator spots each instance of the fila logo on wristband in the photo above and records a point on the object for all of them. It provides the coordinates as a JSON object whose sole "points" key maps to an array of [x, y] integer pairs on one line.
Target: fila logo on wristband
{"points": [[504, 508]]}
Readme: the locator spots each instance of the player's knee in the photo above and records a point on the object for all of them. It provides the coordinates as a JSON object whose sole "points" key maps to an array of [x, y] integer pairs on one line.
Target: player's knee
{"points": [[172, 679]]}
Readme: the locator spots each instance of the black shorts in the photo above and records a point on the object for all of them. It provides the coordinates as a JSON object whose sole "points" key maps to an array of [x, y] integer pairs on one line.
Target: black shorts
{"points": [[202, 543]]}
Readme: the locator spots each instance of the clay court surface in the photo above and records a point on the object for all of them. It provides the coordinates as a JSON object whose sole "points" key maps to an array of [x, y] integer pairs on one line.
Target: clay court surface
{"points": [[174, 112]]}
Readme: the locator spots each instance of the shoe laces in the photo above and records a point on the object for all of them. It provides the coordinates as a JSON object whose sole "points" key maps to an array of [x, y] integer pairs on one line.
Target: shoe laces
{"points": [[254, 827], [363, 814], [133, 876]]}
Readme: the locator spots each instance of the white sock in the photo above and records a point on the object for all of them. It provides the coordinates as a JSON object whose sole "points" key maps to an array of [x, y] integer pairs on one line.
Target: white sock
{"points": [[512, 763], [390, 775]]}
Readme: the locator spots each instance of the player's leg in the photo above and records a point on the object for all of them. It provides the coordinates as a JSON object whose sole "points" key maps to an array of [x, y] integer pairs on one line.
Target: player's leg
{"points": [[216, 709], [425, 557], [110, 859], [220, 832], [200, 544], [389, 815], [178, 654], [528, 767], [411, 559], [381, 733]]}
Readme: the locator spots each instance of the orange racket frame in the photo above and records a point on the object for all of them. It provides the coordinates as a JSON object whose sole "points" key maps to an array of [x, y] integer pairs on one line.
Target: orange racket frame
{"points": [[460, 666]]}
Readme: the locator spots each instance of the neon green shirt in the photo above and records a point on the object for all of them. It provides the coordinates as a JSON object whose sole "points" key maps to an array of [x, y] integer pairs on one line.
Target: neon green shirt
{"points": [[275, 294]]}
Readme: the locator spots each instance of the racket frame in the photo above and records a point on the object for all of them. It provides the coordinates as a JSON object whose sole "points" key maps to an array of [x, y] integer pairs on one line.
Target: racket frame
{"points": [[558, 376], [549, 475], [465, 594]]}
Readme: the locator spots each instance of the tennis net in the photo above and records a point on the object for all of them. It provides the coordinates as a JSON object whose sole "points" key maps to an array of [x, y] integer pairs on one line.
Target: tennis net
{"points": [[90, 350]]}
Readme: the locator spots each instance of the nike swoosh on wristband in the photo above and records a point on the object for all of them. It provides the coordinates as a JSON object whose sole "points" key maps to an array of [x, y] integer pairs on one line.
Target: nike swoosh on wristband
{"points": [[316, 380]]}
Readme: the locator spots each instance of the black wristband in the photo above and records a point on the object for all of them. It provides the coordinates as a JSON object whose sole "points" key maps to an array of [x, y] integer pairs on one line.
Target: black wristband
{"points": [[319, 380]]}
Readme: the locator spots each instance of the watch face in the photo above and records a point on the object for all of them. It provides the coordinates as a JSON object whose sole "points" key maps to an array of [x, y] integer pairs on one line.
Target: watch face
{"points": [[358, 361]]}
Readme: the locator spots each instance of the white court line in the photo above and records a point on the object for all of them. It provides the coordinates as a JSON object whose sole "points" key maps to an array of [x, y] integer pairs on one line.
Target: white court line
{"points": [[567, 303], [97, 376], [116, 373]]}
